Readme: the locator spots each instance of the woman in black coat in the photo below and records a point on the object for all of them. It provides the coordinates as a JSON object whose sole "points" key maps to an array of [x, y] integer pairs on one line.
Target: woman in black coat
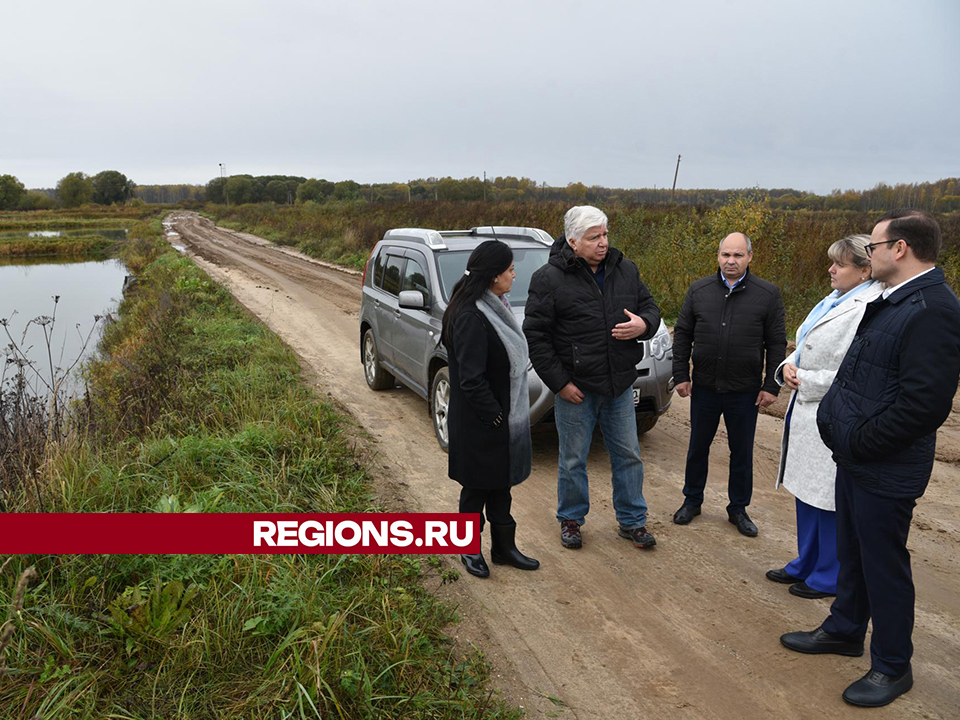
{"points": [[489, 415]]}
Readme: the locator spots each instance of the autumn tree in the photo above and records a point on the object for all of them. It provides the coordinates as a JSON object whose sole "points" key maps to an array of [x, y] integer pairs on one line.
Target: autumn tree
{"points": [[75, 189], [11, 190]]}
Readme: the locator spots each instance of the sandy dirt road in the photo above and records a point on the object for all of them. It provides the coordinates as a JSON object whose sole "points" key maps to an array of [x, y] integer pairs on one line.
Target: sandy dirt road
{"points": [[687, 630]]}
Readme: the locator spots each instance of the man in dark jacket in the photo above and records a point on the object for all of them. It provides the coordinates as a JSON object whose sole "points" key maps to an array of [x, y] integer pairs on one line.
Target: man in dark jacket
{"points": [[586, 313], [732, 320], [894, 388]]}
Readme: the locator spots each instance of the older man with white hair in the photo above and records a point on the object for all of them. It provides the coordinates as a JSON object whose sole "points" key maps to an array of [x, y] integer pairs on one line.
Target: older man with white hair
{"points": [[586, 313]]}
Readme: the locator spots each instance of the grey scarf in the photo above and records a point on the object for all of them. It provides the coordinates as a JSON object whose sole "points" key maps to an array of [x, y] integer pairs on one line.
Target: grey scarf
{"points": [[505, 324]]}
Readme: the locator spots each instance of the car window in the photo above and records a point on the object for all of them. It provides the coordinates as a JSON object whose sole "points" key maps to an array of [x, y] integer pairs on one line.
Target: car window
{"points": [[391, 274], [378, 267], [525, 261], [415, 278]]}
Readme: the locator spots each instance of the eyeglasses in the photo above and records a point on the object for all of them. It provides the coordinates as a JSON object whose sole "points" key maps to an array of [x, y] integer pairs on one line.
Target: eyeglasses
{"points": [[869, 247]]}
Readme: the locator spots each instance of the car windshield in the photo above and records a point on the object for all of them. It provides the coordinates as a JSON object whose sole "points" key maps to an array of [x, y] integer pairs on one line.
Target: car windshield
{"points": [[525, 262]]}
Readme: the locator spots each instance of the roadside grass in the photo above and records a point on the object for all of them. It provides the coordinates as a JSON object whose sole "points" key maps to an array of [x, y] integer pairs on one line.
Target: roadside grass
{"points": [[672, 245], [195, 407]]}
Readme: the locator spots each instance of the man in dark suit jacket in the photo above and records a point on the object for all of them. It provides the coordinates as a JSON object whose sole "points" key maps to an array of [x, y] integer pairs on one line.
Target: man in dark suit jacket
{"points": [[893, 390], [730, 320]]}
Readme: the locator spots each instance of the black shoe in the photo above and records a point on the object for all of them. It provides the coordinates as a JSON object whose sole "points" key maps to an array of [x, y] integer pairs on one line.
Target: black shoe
{"points": [[876, 689], [476, 565], [570, 534], [685, 514], [820, 642], [801, 589], [744, 524], [780, 575], [504, 552], [641, 538]]}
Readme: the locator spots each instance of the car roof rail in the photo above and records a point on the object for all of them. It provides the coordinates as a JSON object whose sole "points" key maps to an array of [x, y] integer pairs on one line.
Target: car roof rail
{"points": [[513, 232], [431, 238]]}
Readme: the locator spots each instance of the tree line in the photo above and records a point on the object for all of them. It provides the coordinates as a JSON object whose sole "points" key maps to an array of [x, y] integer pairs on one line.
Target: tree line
{"points": [[111, 186]]}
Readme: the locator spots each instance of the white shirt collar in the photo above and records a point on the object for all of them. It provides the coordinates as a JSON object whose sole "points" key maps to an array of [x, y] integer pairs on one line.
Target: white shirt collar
{"points": [[891, 290]]}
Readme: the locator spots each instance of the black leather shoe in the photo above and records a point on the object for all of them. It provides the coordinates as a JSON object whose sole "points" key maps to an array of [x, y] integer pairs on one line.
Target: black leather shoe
{"points": [[685, 514], [820, 642], [801, 589], [744, 524], [504, 552], [476, 565], [876, 689], [780, 575]]}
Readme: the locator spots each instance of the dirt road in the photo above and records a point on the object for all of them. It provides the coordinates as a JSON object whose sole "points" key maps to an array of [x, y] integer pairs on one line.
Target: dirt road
{"points": [[687, 630]]}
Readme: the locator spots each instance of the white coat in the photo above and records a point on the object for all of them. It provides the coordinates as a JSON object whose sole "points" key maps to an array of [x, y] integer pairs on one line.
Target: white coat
{"points": [[806, 465]]}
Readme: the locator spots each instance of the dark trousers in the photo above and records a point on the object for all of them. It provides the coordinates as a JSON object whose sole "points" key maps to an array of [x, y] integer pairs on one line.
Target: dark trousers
{"points": [[875, 578], [497, 503], [739, 411]]}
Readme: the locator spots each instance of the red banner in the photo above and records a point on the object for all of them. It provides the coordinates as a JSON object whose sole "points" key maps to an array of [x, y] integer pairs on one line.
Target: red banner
{"points": [[235, 533]]}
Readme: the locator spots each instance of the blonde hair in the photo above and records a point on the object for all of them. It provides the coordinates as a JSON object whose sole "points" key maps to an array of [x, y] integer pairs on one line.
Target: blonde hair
{"points": [[851, 249]]}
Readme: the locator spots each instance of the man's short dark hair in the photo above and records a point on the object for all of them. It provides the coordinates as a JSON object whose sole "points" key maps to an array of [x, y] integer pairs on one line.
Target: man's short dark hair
{"points": [[918, 228]]}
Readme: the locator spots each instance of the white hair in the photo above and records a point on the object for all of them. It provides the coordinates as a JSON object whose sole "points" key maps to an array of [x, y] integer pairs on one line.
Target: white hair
{"points": [[581, 218], [749, 244]]}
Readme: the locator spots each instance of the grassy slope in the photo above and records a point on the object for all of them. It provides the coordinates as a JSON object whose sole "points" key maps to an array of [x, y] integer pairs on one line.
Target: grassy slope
{"points": [[198, 408]]}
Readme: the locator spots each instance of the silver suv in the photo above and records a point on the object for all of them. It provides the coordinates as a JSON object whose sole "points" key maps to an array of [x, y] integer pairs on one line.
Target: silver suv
{"points": [[407, 283]]}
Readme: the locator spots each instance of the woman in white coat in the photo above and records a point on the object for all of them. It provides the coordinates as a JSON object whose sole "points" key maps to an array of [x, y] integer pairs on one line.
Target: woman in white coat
{"points": [[806, 465]]}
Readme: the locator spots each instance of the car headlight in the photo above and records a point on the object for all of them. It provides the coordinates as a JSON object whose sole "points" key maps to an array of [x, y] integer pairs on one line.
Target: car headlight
{"points": [[661, 342]]}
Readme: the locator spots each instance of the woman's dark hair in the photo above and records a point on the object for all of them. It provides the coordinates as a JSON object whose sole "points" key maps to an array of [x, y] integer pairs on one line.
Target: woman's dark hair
{"points": [[489, 259]]}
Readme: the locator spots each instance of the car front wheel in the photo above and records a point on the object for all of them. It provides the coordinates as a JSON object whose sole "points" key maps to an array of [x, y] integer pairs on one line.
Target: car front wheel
{"points": [[645, 425], [440, 406], [377, 378]]}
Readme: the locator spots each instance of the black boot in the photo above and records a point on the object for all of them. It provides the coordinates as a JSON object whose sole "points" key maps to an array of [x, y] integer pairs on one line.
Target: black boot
{"points": [[476, 565], [505, 548]]}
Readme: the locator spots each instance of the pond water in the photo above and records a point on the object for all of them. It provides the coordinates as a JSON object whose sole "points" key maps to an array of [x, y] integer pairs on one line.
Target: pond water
{"points": [[86, 288], [110, 234]]}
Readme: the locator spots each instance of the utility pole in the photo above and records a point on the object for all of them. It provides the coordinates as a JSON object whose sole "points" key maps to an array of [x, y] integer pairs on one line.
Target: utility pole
{"points": [[675, 173], [223, 182], [484, 185]]}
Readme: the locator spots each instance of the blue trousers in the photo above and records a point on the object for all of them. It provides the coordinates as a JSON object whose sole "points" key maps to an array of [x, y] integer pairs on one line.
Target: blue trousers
{"points": [[739, 411], [618, 423], [817, 563], [875, 579]]}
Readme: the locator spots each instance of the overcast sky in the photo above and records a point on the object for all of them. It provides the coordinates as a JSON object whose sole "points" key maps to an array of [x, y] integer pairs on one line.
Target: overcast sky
{"points": [[813, 95]]}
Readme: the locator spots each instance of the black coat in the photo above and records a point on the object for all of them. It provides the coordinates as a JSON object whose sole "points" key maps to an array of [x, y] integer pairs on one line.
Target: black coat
{"points": [[479, 453], [729, 331], [568, 322], [895, 387]]}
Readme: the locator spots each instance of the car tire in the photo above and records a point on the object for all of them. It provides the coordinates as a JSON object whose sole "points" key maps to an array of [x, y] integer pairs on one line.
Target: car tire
{"points": [[645, 425], [440, 407], [377, 378]]}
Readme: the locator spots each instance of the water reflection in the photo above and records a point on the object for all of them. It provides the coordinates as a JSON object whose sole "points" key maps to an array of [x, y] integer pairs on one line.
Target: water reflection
{"points": [[86, 289]]}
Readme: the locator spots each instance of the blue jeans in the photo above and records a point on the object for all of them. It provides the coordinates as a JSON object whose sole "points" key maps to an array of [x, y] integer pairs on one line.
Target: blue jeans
{"points": [[618, 423]]}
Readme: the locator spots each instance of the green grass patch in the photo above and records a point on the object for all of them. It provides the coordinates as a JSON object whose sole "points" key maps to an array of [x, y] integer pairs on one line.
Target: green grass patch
{"points": [[195, 407], [65, 245]]}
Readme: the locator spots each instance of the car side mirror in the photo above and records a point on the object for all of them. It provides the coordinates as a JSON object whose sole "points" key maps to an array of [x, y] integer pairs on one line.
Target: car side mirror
{"points": [[411, 299]]}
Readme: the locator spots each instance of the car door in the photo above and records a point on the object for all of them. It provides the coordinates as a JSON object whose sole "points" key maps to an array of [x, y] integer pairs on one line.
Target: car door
{"points": [[386, 304], [415, 331]]}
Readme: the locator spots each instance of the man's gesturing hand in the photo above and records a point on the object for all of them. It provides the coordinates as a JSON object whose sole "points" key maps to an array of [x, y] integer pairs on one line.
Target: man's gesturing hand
{"points": [[633, 328], [571, 393]]}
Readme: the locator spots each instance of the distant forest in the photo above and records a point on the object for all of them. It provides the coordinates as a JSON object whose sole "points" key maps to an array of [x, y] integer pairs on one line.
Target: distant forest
{"points": [[110, 187]]}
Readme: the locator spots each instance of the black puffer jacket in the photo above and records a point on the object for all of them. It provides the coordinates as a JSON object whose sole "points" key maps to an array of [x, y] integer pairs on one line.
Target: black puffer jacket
{"points": [[568, 322], [894, 388], [729, 331]]}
